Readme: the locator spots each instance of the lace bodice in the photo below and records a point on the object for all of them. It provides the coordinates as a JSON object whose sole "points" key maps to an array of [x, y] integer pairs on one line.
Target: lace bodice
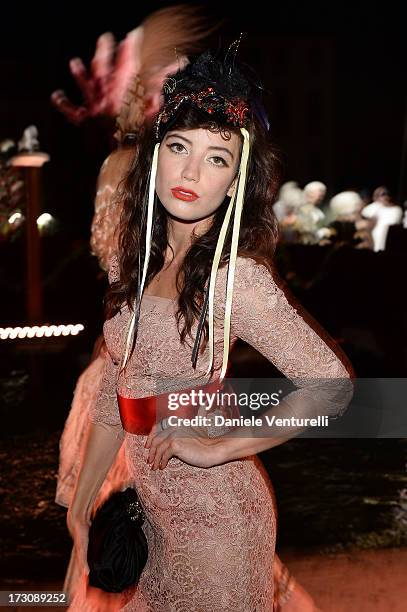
{"points": [[262, 316]]}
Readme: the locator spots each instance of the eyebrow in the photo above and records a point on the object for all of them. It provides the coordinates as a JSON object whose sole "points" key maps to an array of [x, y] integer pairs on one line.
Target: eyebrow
{"points": [[211, 148]]}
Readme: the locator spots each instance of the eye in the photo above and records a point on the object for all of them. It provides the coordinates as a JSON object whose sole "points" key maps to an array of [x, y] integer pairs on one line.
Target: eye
{"points": [[176, 147], [219, 161]]}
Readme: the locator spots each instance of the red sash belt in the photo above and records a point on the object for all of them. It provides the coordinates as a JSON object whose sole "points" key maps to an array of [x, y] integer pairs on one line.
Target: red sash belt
{"points": [[138, 415]]}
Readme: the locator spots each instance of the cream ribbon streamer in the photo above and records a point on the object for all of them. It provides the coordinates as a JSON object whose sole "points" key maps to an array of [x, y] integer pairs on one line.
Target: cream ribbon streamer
{"points": [[149, 228], [238, 200], [214, 271]]}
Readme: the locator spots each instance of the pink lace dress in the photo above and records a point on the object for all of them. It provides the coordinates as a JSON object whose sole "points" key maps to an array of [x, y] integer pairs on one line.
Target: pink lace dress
{"points": [[211, 532]]}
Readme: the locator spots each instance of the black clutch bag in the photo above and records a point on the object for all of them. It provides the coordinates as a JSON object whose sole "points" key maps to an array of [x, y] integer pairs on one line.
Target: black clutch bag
{"points": [[117, 549]]}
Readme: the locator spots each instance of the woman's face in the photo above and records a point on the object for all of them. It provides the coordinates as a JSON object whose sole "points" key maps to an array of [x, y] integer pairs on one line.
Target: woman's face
{"points": [[196, 170]]}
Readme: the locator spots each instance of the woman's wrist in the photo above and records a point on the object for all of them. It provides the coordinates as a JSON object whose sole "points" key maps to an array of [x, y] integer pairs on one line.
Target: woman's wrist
{"points": [[236, 444], [244, 442], [77, 516], [80, 510]]}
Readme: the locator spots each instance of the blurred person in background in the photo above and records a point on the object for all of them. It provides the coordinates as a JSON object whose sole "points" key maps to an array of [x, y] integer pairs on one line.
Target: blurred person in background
{"points": [[310, 217], [347, 225], [381, 213], [290, 198]]}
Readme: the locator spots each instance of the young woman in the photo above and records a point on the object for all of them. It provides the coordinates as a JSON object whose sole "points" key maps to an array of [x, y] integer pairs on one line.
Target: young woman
{"points": [[210, 513]]}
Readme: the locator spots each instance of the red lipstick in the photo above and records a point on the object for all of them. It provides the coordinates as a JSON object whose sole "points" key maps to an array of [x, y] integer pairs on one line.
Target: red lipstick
{"points": [[184, 194]]}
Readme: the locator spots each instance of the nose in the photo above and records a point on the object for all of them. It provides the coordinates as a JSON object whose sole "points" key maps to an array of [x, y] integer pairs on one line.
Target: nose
{"points": [[190, 171]]}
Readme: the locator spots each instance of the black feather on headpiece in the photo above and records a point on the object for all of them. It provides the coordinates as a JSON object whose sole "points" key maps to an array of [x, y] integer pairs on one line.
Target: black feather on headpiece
{"points": [[223, 75], [218, 87]]}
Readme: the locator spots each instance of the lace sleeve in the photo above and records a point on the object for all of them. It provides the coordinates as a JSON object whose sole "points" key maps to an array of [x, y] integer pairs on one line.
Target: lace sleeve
{"points": [[105, 409], [263, 317]]}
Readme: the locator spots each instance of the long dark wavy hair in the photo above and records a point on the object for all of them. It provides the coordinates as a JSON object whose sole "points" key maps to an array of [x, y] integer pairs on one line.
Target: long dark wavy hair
{"points": [[258, 230]]}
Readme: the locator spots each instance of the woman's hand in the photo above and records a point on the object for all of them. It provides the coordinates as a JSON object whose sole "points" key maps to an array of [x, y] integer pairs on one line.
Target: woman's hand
{"points": [[187, 443], [105, 84], [79, 529]]}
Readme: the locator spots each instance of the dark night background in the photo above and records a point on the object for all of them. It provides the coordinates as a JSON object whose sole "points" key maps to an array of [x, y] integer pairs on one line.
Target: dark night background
{"points": [[335, 77]]}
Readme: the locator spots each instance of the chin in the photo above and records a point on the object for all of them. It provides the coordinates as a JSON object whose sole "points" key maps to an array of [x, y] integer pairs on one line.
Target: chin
{"points": [[188, 216], [184, 211]]}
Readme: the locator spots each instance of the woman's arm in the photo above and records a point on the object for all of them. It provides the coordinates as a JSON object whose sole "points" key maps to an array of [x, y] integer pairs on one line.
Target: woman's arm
{"points": [[276, 325], [105, 437], [103, 444], [289, 338]]}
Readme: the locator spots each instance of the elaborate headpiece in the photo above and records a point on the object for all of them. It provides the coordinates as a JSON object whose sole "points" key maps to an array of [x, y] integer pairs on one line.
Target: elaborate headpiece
{"points": [[224, 95]]}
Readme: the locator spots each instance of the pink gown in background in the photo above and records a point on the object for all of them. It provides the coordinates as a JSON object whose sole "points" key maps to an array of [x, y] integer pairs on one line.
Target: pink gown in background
{"points": [[211, 532]]}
